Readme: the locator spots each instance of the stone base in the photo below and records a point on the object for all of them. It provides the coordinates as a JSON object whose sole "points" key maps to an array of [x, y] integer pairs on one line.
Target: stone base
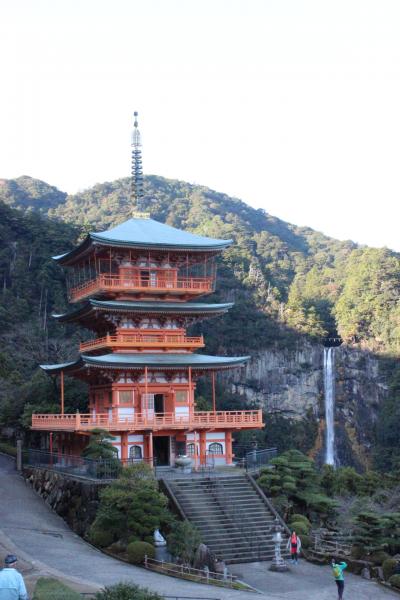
{"points": [[280, 567]]}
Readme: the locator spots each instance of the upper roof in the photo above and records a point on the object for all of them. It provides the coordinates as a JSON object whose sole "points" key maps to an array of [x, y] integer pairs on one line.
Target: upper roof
{"points": [[145, 233], [152, 308], [138, 360]]}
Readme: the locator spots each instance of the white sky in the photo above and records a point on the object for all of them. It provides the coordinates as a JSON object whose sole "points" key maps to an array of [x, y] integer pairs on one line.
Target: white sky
{"points": [[291, 105]]}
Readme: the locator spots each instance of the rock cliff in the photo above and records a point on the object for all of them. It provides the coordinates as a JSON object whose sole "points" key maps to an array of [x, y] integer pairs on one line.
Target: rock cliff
{"points": [[291, 383]]}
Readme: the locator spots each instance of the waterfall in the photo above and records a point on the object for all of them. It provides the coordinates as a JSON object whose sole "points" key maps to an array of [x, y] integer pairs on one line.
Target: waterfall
{"points": [[329, 389]]}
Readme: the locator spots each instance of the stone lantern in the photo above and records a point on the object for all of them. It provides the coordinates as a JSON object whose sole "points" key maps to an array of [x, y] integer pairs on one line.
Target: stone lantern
{"points": [[278, 563]]}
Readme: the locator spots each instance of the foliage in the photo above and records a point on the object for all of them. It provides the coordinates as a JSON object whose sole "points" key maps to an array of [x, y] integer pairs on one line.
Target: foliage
{"points": [[395, 581], [294, 481], [100, 537], [138, 550], [127, 591], [377, 532], [300, 527], [183, 541], [389, 568], [132, 507], [50, 589], [387, 450], [99, 446], [345, 481]]}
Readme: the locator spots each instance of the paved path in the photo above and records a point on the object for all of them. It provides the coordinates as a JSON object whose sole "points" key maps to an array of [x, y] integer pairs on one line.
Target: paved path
{"points": [[39, 536]]}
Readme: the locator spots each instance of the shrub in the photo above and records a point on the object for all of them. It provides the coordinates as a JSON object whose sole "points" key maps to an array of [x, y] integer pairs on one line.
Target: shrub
{"points": [[297, 518], [137, 551], [127, 591], [299, 527], [389, 568], [183, 541], [395, 581], [358, 552], [378, 557], [100, 537]]}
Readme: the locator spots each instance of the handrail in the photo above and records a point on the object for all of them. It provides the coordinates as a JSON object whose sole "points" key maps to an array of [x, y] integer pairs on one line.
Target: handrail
{"points": [[159, 283], [182, 570], [147, 339], [79, 421]]}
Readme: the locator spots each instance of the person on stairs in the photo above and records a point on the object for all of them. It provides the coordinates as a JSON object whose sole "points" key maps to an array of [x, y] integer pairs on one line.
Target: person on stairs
{"points": [[338, 569], [294, 545]]}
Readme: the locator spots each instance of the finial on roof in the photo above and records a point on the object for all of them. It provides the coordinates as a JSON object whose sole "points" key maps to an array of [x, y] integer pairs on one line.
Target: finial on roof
{"points": [[137, 172]]}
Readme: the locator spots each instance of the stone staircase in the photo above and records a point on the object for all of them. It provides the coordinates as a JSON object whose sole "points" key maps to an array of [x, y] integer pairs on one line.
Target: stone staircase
{"points": [[231, 514]]}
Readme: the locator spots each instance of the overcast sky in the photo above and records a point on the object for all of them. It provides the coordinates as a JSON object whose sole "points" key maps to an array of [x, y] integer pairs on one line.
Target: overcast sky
{"points": [[293, 106]]}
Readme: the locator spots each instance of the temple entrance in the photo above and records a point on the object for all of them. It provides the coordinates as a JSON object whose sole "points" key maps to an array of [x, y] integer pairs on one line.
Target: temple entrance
{"points": [[161, 450], [158, 403]]}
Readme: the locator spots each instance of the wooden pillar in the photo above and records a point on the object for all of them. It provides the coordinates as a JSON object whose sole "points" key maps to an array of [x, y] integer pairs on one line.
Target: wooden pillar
{"points": [[124, 447], [228, 447], [62, 392], [150, 441], [51, 448], [203, 447], [195, 450], [213, 392], [191, 398]]}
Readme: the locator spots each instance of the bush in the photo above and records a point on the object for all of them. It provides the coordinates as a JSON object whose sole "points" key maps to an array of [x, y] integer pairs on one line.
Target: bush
{"points": [[297, 518], [50, 589], [395, 581], [299, 527], [389, 567], [305, 541], [127, 591], [378, 557], [137, 551], [100, 537], [183, 541]]}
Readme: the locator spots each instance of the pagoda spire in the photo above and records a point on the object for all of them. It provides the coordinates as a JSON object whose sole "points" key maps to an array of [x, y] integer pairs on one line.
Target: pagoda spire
{"points": [[137, 172]]}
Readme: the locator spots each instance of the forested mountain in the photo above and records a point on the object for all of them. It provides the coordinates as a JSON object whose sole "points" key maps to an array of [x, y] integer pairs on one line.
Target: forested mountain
{"points": [[286, 281]]}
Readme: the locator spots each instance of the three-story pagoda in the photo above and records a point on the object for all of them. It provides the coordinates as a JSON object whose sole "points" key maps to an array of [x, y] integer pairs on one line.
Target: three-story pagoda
{"points": [[137, 287]]}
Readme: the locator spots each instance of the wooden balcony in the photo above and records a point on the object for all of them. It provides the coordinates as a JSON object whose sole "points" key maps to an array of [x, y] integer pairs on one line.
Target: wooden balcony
{"points": [[147, 341], [114, 284], [244, 419]]}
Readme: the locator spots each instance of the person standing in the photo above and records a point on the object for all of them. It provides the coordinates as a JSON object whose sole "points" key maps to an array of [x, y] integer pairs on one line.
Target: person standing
{"points": [[294, 545], [338, 569], [12, 586]]}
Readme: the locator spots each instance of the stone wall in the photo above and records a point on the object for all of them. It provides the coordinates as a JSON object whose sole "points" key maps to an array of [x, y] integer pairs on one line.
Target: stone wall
{"points": [[291, 383], [75, 500]]}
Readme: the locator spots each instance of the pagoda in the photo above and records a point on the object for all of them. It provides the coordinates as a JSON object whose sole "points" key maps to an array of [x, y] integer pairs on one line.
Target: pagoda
{"points": [[137, 287]]}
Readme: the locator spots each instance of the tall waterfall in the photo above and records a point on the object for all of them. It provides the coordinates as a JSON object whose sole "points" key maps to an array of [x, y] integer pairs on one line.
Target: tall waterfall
{"points": [[329, 389]]}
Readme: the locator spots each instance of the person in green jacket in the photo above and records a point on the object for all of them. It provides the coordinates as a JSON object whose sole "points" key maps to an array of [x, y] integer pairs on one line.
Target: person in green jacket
{"points": [[338, 569]]}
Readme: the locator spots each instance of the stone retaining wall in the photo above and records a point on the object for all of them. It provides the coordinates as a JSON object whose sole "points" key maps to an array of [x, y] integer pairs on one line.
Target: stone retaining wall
{"points": [[75, 500]]}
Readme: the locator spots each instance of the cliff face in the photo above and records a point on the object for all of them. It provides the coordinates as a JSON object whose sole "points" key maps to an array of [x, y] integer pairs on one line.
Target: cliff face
{"points": [[291, 382]]}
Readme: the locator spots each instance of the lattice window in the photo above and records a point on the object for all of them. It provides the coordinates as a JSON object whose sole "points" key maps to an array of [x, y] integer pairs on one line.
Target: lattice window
{"points": [[216, 448], [125, 397], [181, 396], [190, 449], [147, 402], [135, 452]]}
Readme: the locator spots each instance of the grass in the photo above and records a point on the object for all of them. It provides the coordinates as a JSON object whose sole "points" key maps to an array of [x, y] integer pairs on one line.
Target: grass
{"points": [[7, 448], [51, 589]]}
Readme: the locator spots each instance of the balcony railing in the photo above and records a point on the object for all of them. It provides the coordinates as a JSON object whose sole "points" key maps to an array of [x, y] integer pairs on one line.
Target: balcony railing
{"points": [[142, 341], [244, 419], [157, 285]]}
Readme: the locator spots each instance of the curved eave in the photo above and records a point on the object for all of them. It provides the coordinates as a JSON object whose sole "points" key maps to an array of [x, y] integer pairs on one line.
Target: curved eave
{"points": [[198, 362], [156, 308]]}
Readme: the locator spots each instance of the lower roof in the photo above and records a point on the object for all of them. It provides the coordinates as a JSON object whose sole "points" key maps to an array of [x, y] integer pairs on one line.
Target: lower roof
{"points": [[139, 361], [154, 308]]}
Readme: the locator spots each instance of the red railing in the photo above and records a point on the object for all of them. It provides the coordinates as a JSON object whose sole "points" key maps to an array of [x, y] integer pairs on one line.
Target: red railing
{"points": [[198, 420], [143, 341], [128, 284]]}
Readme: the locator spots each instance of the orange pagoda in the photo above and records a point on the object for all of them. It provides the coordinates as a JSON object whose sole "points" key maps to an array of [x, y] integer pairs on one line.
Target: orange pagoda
{"points": [[137, 287]]}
